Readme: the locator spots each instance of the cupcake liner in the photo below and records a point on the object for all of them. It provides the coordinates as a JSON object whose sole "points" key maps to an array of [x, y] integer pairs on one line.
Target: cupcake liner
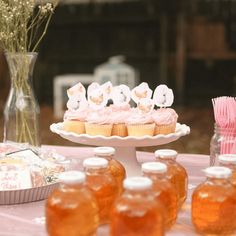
{"points": [[75, 126], [164, 129], [98, 129], [140, 129], [119, 130]]}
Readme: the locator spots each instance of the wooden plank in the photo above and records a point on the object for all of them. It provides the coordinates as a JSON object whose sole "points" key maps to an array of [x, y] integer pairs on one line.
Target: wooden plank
{"points": [[180, 56], [164, 49]]}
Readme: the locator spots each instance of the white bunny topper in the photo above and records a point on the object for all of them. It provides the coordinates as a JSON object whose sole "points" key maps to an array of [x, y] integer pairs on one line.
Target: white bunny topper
{"points": [[107, 88], [77, 90], [163, 96], [77, 97], [120, 95], [92, 87], [97, 98], [75, 103], [141, 91], [145, 105]]}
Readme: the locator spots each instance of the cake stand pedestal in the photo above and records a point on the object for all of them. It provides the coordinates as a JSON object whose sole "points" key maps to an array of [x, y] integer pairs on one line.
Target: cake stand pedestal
{"points": [[127, 156], [125, 147]]}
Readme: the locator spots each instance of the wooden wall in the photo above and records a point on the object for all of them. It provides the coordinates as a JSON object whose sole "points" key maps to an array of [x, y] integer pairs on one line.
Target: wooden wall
{"points": [[84, 36], [80, 37]]}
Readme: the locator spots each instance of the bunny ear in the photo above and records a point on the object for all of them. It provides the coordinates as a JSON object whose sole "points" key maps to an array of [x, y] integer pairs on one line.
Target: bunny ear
{"points": [[163, 96], [76, 90]]}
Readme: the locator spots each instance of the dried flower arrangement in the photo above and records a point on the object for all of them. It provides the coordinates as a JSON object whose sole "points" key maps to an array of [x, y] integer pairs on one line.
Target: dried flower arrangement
{"points": [[23, 24], [20, 22]]}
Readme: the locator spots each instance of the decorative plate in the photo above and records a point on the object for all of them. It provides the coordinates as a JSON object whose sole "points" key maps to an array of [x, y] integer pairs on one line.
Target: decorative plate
{"points": [[181, 130]]}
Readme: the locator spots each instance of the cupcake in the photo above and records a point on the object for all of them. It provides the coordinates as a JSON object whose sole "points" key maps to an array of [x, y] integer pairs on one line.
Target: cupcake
{"points": [[75, 116], [98, 121], [120, 110], [74, 121], [141, 123], [118, 119], [165, 118]]}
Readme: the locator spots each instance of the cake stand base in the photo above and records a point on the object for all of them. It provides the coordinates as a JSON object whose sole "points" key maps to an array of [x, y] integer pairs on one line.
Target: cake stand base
{"points": [[127, 156]]}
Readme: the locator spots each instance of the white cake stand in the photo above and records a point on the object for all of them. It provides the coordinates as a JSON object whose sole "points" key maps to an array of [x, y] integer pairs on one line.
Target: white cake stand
{"points": [[125, 147]]}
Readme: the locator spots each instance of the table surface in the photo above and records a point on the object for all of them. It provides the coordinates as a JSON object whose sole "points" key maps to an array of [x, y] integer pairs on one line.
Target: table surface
{"points": [[28, 219]]}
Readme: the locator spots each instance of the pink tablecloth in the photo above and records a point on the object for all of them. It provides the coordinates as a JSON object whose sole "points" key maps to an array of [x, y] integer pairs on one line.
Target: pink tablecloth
{"points": [[28, 219]]}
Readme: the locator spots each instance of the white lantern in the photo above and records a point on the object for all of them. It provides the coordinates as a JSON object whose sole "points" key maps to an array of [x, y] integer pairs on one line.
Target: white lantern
{"points": [[117, 72]]}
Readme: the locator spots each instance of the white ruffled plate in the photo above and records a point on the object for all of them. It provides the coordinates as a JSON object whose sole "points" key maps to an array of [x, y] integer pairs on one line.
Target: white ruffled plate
{"points": [[181, 130]]}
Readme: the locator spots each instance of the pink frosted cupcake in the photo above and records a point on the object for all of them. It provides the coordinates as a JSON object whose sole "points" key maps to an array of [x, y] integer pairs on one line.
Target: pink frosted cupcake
{"points": [[118, 119], [141, 121], [74, 121], [120, 109], [99, 123], [140, 125], [74, 118], [165, 120]]}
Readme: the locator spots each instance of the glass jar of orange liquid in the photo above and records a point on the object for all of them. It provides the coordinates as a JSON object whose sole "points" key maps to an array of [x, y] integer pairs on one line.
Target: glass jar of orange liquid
{"points": [[136, 212], [165, 191], [229, 160], [68, 205], [115, 167], [175, 172], [214, 203], [102, 184]]}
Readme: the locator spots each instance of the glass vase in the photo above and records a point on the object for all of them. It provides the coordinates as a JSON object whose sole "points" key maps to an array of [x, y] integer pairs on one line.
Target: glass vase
{"points": [[21, 112]]}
